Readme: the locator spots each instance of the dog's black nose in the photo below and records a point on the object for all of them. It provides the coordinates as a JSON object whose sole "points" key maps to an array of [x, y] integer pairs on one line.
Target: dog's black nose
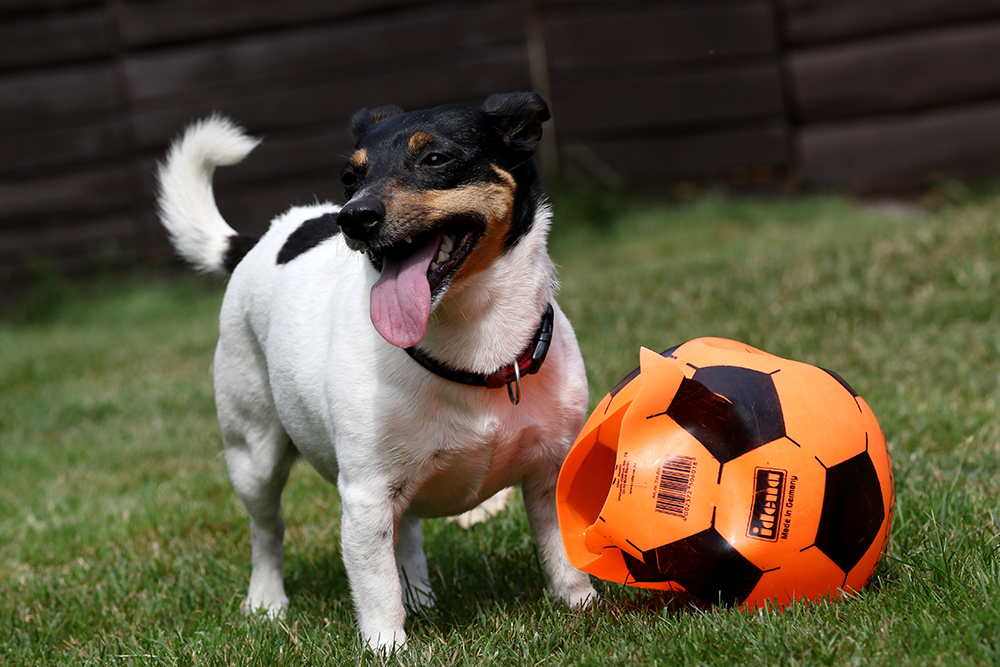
{"points": [[360, 218]]}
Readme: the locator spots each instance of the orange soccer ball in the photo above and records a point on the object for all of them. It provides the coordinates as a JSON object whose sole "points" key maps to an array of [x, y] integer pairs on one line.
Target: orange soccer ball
{"points": [[737, 476]]}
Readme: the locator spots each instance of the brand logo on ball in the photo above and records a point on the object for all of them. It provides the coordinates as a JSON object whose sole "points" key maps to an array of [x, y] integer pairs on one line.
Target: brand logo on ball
{"points": [[769, 490]]}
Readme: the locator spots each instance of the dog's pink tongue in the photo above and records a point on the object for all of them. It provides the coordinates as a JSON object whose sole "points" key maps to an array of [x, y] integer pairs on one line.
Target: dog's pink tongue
{"points": [[401, 298]]}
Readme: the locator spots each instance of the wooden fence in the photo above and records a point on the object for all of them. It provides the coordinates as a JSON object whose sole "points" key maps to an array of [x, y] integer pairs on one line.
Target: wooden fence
{"points": [[846, 94]]}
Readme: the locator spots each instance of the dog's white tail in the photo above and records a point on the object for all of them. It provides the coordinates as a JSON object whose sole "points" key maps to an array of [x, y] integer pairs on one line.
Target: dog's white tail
{"points": [[185, 200]]}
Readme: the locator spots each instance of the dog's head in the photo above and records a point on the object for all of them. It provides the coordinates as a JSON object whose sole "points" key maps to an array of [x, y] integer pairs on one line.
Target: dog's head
{"points": [[436, 196]]}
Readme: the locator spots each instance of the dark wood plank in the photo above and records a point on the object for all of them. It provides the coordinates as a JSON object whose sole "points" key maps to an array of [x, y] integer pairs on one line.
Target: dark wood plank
{"points": [[659, 160], [8, 7], [897, 72], [618, 35], [151, 22], [94, 189], [324, 102], [55, 38], [62, 144], [278, 60], [812, 21], [65, 235], [38, 98], [628, 103], [903, 151]]}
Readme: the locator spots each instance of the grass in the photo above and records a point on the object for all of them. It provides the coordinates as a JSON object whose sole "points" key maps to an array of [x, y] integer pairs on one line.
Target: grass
{"points": [[122, 543]]}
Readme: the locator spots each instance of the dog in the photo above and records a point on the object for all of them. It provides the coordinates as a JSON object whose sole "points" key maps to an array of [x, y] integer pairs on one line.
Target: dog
{"points": [[406, 344]]}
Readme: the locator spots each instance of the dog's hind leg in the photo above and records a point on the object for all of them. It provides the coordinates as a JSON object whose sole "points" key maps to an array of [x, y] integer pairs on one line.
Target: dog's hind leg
{"points": [[259, 456], [412, 565], [259, 480], [564, 581]]}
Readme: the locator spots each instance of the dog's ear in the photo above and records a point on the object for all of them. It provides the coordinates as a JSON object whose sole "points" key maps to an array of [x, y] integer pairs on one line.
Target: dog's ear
{"points": [[519, 117], [364, 119]]}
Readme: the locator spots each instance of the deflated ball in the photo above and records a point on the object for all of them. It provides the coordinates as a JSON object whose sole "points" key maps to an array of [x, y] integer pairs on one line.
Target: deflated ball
{"points": [[737, 476]]}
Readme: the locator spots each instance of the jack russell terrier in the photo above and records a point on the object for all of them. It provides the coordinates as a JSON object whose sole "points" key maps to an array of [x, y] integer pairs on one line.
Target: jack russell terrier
{"points": [[406, 344]]}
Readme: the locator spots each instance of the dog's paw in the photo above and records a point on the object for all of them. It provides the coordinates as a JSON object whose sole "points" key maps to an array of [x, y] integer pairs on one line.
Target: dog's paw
{"points": [[583, 599], [274, 610], [581, 596], [386, 642]]}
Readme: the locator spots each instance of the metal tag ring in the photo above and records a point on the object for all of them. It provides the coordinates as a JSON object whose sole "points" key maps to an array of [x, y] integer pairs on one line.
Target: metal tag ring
{"points": [[515, 398]]}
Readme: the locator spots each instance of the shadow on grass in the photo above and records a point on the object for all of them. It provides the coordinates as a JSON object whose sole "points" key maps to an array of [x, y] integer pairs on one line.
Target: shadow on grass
{"points": [[484, 576]]}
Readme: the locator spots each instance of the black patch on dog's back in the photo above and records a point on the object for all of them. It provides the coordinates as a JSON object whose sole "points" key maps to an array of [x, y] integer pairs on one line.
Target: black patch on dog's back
{"points": [[239, 246], [309, 235]]}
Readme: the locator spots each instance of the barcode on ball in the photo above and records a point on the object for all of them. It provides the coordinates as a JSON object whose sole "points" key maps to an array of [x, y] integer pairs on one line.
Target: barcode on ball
{"points": [[673, 492]]}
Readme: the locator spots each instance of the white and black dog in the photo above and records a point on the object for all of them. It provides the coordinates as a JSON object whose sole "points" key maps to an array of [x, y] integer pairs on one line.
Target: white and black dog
{"points": [[389, 341]]}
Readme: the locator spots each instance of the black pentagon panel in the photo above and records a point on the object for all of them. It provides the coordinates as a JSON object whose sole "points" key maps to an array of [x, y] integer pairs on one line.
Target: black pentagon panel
{"points": [[853, 511], [308, 235], [705, 564], [729, 409]]}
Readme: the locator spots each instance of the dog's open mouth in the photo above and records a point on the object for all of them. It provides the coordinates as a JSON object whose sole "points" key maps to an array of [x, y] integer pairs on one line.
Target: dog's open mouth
{"points": [[414, 270]]}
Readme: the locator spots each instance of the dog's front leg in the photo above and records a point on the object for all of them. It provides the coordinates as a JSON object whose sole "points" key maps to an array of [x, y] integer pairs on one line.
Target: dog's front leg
{"points": [[564, 581], [368, 528]]}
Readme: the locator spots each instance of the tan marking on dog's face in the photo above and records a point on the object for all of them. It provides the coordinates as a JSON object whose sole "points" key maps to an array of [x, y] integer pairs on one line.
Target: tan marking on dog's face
{"points": [[500, 198], [419, 140], [491, 202], [359, 159]]}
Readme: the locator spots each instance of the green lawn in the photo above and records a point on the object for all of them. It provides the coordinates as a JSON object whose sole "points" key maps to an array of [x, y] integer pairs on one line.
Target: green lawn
{"points": [[122, 543]]}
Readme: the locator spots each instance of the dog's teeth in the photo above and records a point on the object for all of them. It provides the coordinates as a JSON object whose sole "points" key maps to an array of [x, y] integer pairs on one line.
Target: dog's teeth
{"points": [[448, 243], [409, 239], [442, 256], [435, 266]]}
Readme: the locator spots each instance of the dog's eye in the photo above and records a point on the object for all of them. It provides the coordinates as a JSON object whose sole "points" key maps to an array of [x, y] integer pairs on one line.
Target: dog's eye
{"points": [[350, 181], [435, 159]]}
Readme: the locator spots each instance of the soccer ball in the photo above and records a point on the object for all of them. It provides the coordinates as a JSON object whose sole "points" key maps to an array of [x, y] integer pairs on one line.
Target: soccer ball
{"points": [[737, 476]]}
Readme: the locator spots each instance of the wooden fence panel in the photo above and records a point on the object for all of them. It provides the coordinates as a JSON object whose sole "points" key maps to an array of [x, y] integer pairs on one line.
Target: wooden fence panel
{"points": [[14, 7], [89, 190], [857, 94], [66, 239], [695, 155], [154, 22], [63, 145], [275, 61], [894, 94], [813, 21], [44, 97], [911, 71], [44, 39], [665, 91], [631, 103], [616, 39], [67, 185], [903, 151]]}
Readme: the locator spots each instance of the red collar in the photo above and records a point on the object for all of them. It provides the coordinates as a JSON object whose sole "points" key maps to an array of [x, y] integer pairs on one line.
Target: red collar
{"points": [[527, 363]]}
